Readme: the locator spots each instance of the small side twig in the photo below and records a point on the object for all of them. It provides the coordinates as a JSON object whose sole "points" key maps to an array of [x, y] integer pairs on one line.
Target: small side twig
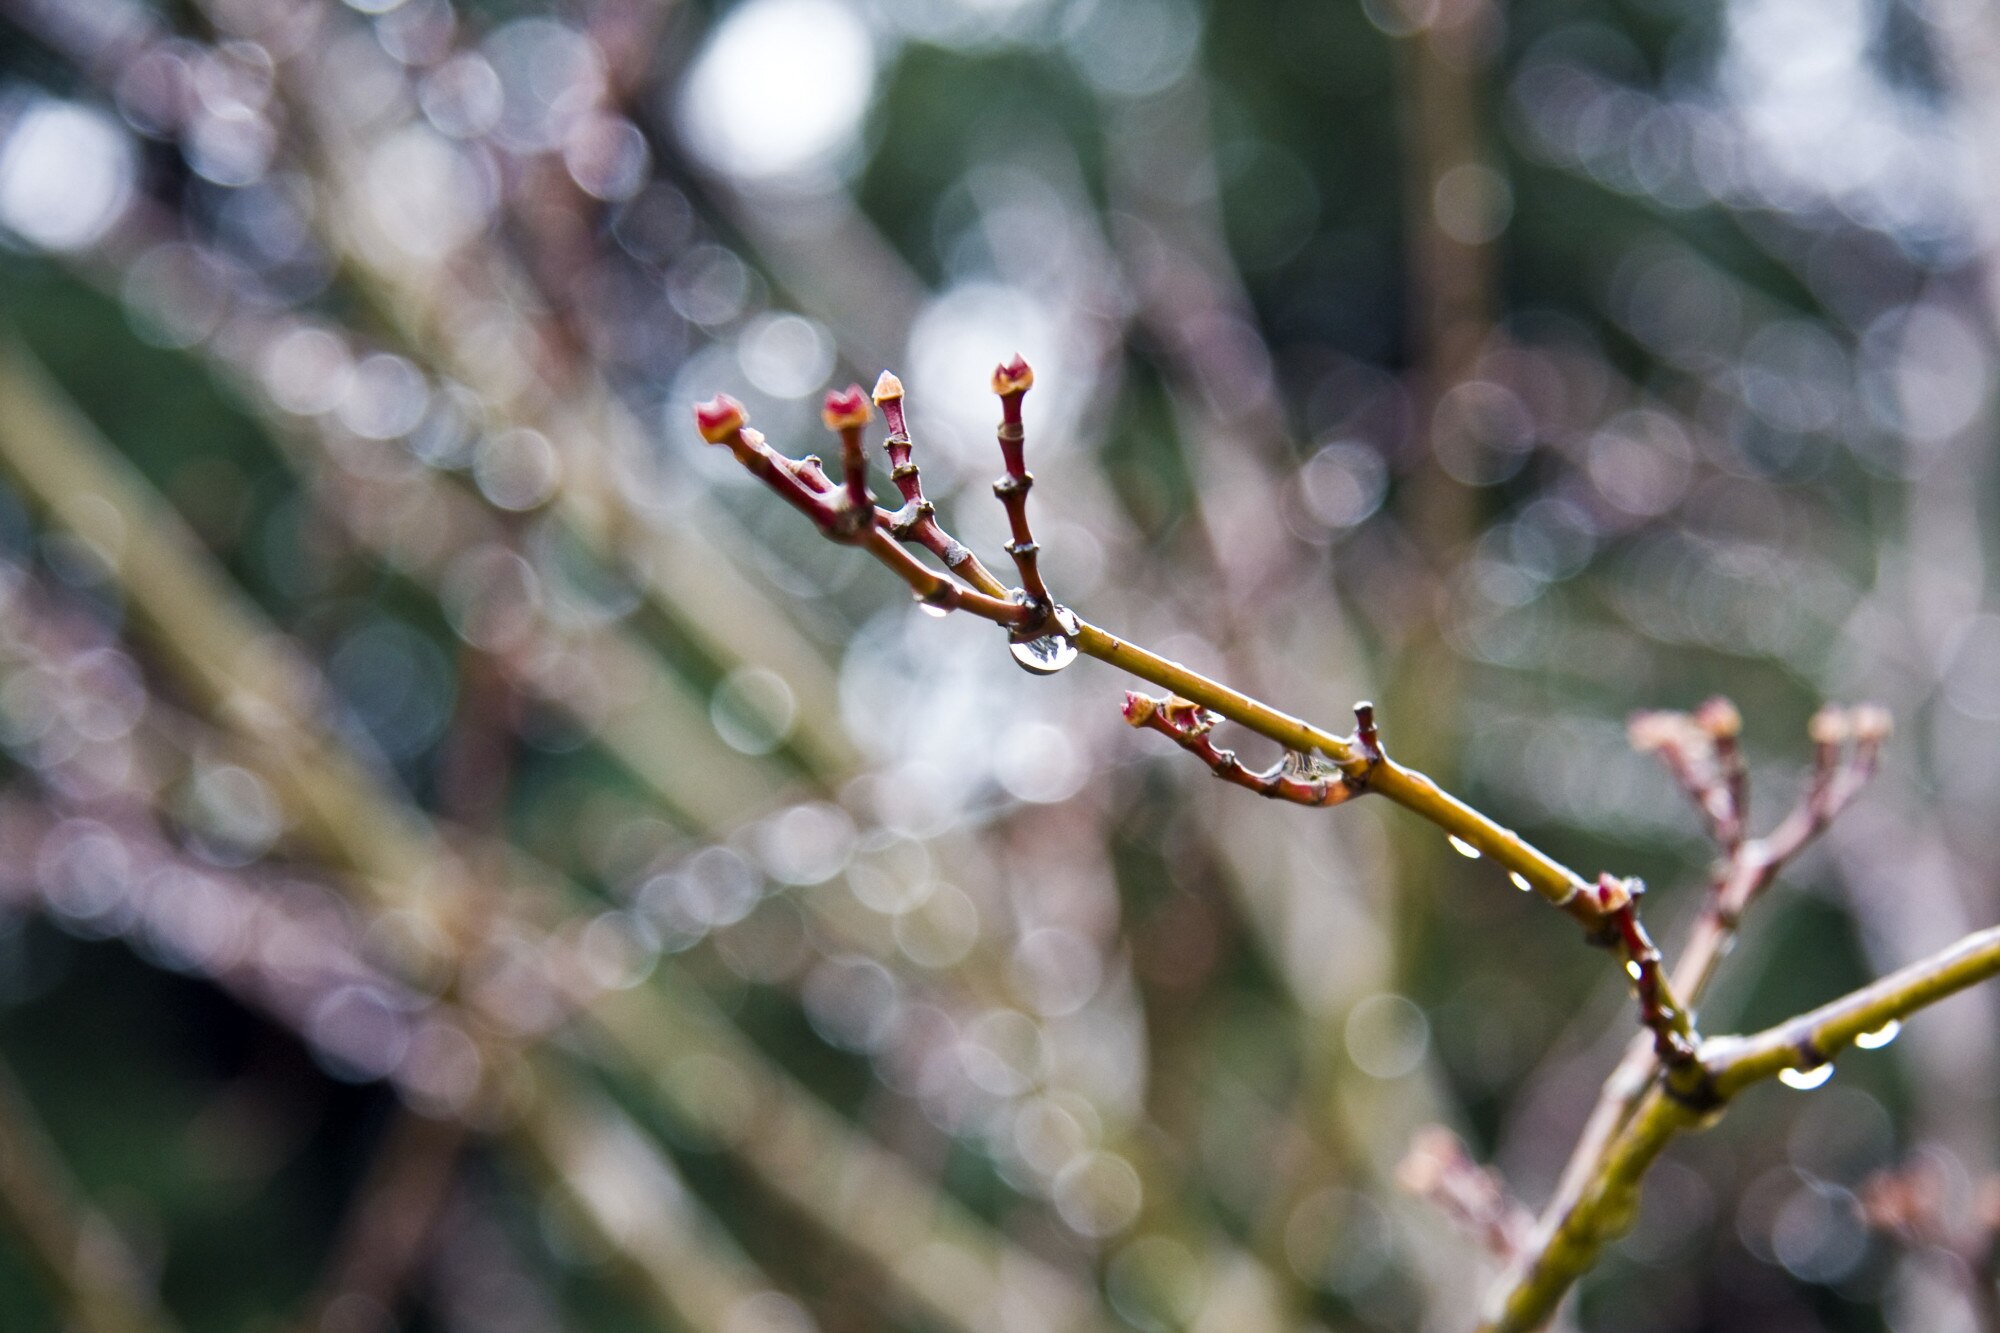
{"points": [[1910, 1205], [1011, 382], [917, 520], [1671, 1026], [1297, 777], [1439, 1169]]}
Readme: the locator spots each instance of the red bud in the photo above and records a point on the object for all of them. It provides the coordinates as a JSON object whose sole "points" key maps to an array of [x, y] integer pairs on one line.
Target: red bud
{"points": [[719, 418], [846, 409], [1013, 377]]}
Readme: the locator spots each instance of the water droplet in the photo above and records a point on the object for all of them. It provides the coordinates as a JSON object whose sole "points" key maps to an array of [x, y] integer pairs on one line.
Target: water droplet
{"points": [[930, 609], [1520, 881], [1044, 656], [1880, 1037], [1050, 653], [1805, 1080], [1463, 848], [1634, 971]]}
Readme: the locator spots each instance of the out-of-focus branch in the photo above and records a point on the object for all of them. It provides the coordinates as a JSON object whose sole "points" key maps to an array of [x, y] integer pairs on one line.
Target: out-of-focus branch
{"points": [[388, 1230], [350, 817], [88, 1271], [1910, 1204], [1440, 1170]]}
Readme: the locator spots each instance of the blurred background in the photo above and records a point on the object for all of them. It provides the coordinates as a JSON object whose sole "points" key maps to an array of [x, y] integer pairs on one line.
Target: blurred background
{"points": [[471, 859]]}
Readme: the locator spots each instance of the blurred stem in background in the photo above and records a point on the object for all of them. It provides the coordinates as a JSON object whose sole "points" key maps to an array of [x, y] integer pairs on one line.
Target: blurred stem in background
{"points": [[99, 1283]]}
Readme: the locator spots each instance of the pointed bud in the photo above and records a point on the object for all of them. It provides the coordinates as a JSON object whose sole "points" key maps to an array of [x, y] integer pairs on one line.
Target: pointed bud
{"points": [[1872, 723], [1013, 377], [719, 418], [1719, 718], [846, 409], [1656, 731], [887, 388], [1610, 893], [1187, 717], [1829, 726]]}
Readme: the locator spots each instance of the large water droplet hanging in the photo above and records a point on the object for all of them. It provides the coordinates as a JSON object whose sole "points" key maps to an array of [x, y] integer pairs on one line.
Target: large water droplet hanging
{"points": [[1880, 1037], [1044, 656], [932, 609], [1462, 847], [1047, 654], [1520, 881], [1805, 1080]]}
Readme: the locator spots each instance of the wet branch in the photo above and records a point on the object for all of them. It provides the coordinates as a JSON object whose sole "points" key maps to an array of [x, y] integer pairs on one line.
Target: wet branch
{"points": [[1031, 612], [1702, 751], [1569, 1243]]}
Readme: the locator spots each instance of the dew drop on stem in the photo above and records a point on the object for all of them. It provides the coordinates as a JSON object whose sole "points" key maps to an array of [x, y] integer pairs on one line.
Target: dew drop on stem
{"points": [[1046, 654], [1462, 847], [1805, 1080], [1880, 1037]]}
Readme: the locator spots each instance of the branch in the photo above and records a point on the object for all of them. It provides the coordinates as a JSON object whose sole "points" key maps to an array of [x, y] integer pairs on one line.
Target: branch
{"points": [[1439, 1170], [1606, 910], [1701, 751], [1030, 612], [1608, 1203]]}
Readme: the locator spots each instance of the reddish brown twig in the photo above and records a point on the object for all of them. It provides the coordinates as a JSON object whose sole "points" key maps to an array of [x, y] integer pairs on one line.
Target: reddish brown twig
{"points": [[1012, 382], [917, 520], [1296, 778], [805, 486], [1674, 1037], [845, 413], [1438, 1169], [1847, 744]]}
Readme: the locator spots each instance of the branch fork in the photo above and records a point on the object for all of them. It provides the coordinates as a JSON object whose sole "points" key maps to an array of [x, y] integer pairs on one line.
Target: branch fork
{"points": [[846, 512]]}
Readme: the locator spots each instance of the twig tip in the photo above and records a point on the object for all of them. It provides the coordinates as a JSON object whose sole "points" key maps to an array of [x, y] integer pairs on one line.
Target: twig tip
{"points": [[846, 409], [719, 418], [1013, 377]]}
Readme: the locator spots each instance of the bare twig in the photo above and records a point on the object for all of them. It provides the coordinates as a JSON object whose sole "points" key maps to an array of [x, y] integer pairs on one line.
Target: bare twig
{"points": [[1297, 778], [1439, 1169]]}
